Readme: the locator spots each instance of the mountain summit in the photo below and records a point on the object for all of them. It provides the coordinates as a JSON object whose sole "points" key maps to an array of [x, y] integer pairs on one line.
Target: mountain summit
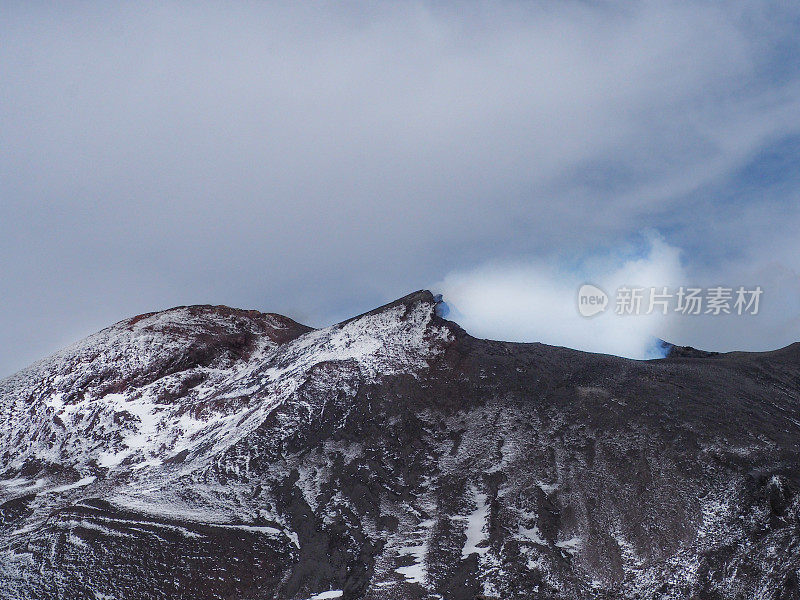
{"points": [[206, 452]]}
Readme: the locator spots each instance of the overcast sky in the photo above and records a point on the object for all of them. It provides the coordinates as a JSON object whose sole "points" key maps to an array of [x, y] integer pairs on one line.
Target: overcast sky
{"points": [[320, 159]]}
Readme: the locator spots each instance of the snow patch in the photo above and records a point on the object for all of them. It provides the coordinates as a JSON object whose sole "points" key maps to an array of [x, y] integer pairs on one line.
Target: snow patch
{"points": [[572, 545], [476, 525], [327, 595], [65, 488], [416, 572]]}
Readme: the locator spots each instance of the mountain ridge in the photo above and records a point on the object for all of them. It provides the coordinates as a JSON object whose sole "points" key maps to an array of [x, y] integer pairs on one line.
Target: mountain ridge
{"points": [[209, 452]]}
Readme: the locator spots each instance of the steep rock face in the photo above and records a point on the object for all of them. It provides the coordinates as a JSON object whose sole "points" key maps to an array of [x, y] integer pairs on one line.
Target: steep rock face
{"points": [[205, 452]]}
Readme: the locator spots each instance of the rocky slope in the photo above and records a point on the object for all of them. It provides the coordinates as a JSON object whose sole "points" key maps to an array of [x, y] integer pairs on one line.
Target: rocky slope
{"points": [[206, 452]]}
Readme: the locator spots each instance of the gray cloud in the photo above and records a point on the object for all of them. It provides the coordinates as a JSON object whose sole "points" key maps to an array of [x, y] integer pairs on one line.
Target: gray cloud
{"points": [[317, 160]]}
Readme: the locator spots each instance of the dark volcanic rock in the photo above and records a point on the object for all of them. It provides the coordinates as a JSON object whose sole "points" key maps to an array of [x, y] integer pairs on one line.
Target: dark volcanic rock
{"points": [[673, 351], [206, 452]]}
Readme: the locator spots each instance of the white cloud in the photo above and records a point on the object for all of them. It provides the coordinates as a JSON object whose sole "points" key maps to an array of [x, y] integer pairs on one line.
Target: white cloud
{"points": [[537, 301]]}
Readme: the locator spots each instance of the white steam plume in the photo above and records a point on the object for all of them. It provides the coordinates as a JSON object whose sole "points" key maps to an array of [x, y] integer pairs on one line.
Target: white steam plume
{"points": [[537, 301]]}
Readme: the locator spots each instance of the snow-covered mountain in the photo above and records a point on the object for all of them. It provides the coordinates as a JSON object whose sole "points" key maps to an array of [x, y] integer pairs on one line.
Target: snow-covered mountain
{"points": [[205, 452]]}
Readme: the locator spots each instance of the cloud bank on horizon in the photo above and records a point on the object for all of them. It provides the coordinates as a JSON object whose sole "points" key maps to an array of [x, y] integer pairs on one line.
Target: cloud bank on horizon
{"points": [[320, 159]]}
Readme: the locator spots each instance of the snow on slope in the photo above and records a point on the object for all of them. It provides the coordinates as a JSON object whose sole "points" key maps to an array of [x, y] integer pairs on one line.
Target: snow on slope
{"points": [[206, 452], [126, 420]]}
